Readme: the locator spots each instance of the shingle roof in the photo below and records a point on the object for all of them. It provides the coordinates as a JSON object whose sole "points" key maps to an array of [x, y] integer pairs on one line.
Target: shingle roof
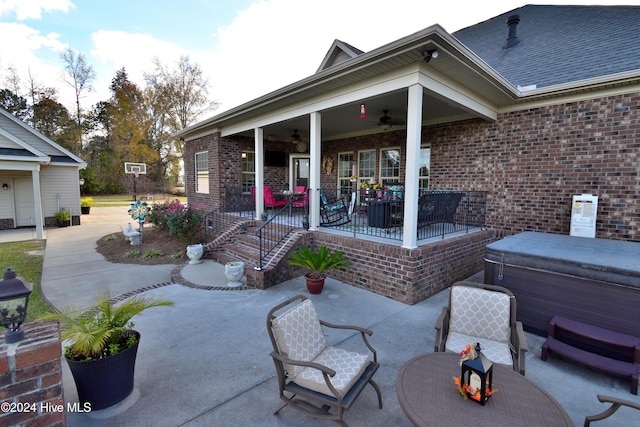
{"points": [[559, 44]]}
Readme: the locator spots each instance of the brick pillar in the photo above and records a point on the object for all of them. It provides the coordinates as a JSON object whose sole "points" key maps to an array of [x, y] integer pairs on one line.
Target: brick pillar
{"points": [[31, 378]]}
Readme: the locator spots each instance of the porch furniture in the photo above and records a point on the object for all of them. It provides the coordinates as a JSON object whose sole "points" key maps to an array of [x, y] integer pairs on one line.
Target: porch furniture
{"points": [[385, 213], [438, 206], [271, 201], [314, 378], [429, 397], [598, 348], [485, 314], [333, 212], [615, 405], [301, 202], [547, 271]]}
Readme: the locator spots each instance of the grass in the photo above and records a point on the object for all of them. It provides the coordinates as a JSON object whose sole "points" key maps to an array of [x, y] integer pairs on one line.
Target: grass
{"points": [[127, 199], [25, 258]]}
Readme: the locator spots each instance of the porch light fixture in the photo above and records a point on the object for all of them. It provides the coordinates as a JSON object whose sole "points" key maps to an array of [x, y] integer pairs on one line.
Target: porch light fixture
{"points": [[14, 297], [429, 55], [5, 186]]}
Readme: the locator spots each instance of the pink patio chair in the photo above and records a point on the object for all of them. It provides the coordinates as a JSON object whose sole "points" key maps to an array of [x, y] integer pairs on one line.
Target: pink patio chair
{"points": [[301, 203], [270, 199]]}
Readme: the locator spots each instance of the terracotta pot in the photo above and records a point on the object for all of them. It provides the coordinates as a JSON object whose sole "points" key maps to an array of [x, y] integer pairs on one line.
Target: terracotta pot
{"points": [[314, 286]]}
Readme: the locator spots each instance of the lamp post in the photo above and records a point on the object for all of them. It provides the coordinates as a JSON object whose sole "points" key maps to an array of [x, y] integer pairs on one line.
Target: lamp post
{"points": [[14, 297]]}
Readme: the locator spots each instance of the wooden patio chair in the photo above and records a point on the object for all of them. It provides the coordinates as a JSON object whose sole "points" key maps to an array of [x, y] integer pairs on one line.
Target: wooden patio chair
{"points": [[485, 314], [616, 403], [314, 378]]}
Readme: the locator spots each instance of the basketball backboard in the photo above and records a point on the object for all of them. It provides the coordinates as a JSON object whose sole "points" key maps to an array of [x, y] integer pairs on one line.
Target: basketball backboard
{"points": [[135, 168]]}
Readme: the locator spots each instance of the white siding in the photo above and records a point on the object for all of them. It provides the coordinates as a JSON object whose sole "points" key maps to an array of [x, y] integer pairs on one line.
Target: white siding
{"points": [[6, 143], [7, 209], [30, 138], [62, 181]]}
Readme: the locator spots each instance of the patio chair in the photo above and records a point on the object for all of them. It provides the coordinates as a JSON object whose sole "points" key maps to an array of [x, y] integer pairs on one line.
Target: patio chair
{"points": [[333, 212], [616, 403], [271, 201], [485, 314], [316, 379], [301, 203]]}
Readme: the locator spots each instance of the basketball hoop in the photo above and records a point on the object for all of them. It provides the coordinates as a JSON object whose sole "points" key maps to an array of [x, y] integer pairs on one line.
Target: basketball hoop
{"points": [[136, 172]]}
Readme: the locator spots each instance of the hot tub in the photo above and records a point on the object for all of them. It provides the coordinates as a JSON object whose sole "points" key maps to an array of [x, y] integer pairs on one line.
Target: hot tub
{"points": [[595, 281]]}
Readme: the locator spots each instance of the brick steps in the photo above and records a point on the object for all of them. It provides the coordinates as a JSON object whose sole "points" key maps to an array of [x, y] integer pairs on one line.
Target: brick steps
{"points": [[236, 245]]}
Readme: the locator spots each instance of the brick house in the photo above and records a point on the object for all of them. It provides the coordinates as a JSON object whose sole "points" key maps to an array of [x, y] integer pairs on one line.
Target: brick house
{"points": [[531, 107]]}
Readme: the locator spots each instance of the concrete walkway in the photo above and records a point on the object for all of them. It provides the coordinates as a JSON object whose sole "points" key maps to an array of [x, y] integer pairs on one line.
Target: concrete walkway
{"points": [[205, 362]]}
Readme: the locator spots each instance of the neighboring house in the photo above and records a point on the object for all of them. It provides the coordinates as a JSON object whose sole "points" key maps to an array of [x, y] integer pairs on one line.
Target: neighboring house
{"points": [[532, 107], [38, 177]]}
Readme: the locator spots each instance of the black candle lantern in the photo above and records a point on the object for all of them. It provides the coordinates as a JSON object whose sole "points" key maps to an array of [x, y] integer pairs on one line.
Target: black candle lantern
{"points": [[477, 377], [14, 296]]}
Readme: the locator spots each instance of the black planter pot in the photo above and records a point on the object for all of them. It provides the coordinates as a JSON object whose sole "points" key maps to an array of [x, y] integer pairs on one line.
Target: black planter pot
{"points": [[85, 210], [105, 382]]}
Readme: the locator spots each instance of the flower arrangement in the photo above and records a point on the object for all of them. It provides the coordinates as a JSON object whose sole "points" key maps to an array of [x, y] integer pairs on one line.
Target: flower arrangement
{"points": [[372, 185]]}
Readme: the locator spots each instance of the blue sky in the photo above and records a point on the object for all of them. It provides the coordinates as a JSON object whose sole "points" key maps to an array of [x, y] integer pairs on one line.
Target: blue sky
{"points": [[246, 48]]}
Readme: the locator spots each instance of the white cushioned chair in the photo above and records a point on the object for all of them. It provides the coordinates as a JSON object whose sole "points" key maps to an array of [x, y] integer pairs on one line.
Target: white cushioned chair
{"points": [[485, 314], [321, 380]]}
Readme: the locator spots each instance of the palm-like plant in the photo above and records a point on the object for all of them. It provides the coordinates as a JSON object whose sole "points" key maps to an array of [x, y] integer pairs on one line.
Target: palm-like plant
{"points": [[318, 262], [102, 330]]}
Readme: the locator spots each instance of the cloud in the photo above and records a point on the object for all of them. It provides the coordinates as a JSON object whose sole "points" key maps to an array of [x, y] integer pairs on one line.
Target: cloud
{"points": [[32, 9]]}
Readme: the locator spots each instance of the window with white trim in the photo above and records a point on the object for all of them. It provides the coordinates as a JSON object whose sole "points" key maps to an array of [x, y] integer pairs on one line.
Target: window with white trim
{"points": [[424, 168], [248, 170], [389, 166], [366, 166], [345, 170], [202, 172]]}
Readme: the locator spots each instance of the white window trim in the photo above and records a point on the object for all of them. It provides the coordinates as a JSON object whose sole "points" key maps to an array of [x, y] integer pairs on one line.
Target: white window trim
{"points": [[199, 173]]}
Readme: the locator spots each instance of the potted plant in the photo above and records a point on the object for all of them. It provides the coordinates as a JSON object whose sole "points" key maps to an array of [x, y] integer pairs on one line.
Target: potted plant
{"points": [[101, 347], [318, 263], [62, 218], [85, 205]]}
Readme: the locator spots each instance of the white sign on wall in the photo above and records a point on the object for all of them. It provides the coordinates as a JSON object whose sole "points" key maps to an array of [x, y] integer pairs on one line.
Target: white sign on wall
{"points": [[583, 215]]}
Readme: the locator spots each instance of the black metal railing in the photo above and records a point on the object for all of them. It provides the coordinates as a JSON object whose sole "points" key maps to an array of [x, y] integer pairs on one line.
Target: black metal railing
{"points": [[380, 213], [368, 213], [273, 232]]}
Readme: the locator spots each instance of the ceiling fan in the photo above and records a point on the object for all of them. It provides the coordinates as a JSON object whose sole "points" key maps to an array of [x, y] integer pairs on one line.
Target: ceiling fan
{"points": [[385, 122], [301, 146]]}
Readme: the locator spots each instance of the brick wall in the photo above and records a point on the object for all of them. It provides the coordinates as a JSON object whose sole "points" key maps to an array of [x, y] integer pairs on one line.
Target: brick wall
{"points": [[31, 374], [6, 224], [532, 162], [408, 275]]}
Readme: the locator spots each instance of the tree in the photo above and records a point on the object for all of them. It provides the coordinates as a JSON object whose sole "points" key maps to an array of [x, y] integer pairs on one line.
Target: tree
{"points": [[52, 120], [185, 89], [80, 76], [15, 104]]}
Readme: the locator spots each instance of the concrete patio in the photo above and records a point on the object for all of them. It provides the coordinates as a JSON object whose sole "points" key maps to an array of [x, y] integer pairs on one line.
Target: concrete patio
{"points": [[206, 360]]}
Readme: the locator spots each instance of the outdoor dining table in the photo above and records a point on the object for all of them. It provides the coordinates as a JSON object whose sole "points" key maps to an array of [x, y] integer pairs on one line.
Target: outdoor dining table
{"points": [[429, 397], [290, 196]]}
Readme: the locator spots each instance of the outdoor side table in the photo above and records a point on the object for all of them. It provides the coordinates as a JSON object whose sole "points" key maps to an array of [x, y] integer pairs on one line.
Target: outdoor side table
{"points": [[429, 397]]}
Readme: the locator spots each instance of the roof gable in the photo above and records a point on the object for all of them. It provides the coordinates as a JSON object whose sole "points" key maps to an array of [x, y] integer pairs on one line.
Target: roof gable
{"points": [[16, 134], [559, 44], [338, 53]]}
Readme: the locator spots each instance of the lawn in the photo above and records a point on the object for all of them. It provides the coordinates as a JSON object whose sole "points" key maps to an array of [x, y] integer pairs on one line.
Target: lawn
{"points": [[127, 199], [25, 258]]}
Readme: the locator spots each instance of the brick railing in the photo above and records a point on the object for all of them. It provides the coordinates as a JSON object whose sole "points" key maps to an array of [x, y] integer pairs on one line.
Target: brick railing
{"points": [[31, 378]]}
